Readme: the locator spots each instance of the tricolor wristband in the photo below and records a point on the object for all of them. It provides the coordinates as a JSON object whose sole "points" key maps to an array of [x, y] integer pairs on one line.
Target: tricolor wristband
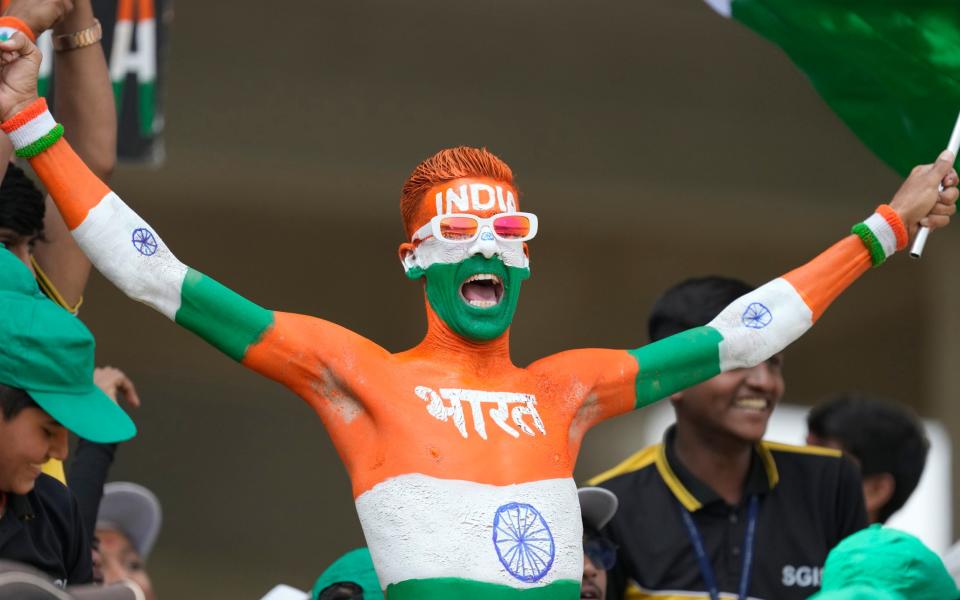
{"points": [[11, 25], [883, 233], [32, 130]]}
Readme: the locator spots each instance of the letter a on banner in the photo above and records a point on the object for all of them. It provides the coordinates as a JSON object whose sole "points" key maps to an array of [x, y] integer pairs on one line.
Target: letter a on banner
{"points": [[136, 22]]}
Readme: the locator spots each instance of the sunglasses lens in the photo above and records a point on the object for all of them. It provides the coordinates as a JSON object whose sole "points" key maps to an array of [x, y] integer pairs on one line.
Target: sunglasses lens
{"points": [[512, 227], [602, 553], [456, 229]]}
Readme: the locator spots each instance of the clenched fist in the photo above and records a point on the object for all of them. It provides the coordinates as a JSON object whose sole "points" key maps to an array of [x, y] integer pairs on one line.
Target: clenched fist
{"points": [[39, 15], [920, 202], [19, 69]]}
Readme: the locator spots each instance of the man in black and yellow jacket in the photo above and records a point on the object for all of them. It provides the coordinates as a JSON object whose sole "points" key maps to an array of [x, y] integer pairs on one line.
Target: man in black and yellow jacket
{"points": [[714, 511]]}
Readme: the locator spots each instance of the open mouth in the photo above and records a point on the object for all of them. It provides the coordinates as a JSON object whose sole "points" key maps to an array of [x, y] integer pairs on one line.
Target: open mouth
{"points": [[752, 404], [483, 290], [590, 591]]}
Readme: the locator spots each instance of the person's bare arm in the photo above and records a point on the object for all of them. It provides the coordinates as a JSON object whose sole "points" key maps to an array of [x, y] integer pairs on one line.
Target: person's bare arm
{"points": [[85, 106]]}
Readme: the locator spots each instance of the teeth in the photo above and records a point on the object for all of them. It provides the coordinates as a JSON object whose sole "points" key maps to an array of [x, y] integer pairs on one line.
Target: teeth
{"points": [[751, 403], [482, 303], [483, 277]]}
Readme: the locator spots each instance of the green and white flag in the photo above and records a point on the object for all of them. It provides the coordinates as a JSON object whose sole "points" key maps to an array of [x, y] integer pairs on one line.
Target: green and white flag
{"points": [[890, 69]]}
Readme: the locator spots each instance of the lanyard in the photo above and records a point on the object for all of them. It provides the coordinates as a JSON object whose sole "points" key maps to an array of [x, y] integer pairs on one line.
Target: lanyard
{"points": [[705, 569]]}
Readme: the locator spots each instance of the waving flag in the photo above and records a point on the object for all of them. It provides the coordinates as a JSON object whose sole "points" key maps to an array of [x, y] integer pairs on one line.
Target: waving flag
{"points": [[890, 69]]}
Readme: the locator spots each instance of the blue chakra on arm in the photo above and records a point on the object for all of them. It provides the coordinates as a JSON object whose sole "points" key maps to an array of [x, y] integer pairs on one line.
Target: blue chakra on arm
{"points": [[144, 241], [756, 316], [523, 541]]}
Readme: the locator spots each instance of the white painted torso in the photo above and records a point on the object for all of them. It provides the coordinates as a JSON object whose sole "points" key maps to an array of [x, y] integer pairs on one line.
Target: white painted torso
{"points": [[421, 527]]}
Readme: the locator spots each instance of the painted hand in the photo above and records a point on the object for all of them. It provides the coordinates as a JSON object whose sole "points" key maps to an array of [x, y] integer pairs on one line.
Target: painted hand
{"points": [[39, 15], [919, 200], [19, 69], [116, 385]]}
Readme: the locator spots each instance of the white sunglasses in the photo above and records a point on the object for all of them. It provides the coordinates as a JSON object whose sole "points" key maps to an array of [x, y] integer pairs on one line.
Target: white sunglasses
{"points": [[461, 228]]}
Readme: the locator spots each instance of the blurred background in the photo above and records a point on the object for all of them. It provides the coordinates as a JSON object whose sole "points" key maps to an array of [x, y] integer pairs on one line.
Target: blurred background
{"points": [[655, 140]]}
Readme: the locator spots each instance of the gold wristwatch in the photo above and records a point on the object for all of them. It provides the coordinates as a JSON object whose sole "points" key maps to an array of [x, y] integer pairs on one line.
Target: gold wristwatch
{"points": [[79, 39]]}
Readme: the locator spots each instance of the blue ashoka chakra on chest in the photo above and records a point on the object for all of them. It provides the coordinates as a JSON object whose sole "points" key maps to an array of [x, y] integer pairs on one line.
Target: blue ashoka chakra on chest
{"points": [[523, 541], [756, 316], [144, 241]]}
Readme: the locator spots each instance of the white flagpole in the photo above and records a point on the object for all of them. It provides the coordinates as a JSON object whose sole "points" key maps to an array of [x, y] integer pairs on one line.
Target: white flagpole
{"points": [[916, 250]]}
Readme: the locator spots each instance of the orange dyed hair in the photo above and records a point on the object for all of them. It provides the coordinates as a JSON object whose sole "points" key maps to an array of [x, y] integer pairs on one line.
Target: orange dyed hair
{"points": [[447, 165]]}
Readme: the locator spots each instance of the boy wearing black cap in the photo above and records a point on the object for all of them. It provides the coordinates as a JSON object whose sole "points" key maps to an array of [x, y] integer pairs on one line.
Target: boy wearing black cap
{"points": [[597, 507], [46, 388]]}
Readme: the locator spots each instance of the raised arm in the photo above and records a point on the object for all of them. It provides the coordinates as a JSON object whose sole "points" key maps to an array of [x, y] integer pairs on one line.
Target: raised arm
{"points": [[84, 104], [762, 323], [128, 252]]}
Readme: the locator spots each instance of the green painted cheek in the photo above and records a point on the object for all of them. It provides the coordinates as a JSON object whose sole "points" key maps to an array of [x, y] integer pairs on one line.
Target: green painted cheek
{"points": [[443, 293]]}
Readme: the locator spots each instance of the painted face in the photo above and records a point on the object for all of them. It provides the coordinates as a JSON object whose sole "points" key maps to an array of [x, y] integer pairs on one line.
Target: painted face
{"points": [[119, 561], [473, 286], [737, 403], [27, 441]]}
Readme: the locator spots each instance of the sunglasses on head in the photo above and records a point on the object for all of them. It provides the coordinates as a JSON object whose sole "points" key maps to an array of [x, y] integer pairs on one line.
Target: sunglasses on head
{"points": [[463, 228], [601, 552]]}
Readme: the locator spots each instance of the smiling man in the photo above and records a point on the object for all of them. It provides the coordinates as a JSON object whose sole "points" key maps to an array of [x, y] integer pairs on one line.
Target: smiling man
{"points": [[461, 462], [714, 508]]}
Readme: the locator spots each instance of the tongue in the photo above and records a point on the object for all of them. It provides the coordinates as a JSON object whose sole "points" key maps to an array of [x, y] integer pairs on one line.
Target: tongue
{"points": [[479, 291]]}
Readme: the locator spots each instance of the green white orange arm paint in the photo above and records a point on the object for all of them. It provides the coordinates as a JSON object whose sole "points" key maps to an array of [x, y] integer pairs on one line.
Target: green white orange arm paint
{"points": [[126, 249], [132, 255], [767, 320]]}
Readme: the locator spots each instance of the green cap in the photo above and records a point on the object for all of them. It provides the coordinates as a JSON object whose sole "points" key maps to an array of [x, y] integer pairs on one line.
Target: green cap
{"points": [[890, 560], [857, 592], [48, 353], [356, 567]]}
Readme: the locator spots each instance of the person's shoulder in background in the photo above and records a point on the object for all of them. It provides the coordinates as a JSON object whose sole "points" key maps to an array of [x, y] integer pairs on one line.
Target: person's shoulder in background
{"points": [[823, 477], [639, 468], [813, 464]]}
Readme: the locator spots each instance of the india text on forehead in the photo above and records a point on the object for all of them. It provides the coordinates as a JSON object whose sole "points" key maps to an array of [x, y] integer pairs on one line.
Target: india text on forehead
{"points": [[475, 196]]}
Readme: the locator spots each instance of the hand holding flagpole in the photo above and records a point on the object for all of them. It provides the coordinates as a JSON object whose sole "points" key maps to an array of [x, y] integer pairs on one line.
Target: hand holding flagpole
{"points": [[916, 250]]}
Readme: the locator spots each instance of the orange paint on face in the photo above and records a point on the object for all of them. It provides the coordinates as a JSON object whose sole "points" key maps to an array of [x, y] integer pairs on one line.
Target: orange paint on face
{"points": [[474, 195], [394, 414]]}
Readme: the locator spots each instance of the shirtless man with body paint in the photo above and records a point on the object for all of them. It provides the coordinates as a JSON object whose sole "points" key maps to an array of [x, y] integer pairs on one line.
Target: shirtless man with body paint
{"points": [[461, 462]]}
